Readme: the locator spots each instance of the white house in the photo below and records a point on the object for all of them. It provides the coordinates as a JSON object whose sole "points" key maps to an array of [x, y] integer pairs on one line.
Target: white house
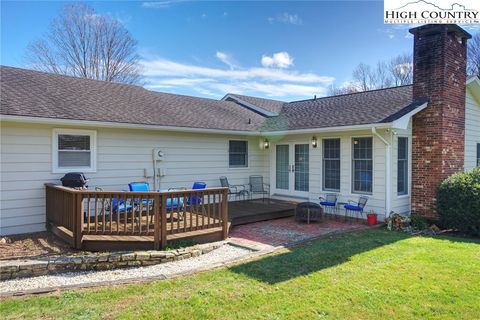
{"points": [[374, 143]]}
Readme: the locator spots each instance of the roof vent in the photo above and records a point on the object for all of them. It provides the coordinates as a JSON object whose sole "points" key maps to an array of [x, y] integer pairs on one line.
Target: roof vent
{"points": [[249, 121]]}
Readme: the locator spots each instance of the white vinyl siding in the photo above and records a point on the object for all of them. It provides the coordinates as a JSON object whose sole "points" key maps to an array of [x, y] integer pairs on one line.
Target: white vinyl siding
{"points": [[376, 200], [122, 156], [472, 131]]}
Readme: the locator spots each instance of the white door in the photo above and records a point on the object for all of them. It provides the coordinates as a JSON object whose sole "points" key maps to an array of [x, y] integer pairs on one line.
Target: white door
{"points": [[292, 169]]}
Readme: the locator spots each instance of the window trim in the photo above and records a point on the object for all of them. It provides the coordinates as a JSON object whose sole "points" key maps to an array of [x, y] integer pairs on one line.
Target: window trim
{"points": [[247, 158], [352, 167], [477, 145], [93, 150], [323, 165], [407, 183]]}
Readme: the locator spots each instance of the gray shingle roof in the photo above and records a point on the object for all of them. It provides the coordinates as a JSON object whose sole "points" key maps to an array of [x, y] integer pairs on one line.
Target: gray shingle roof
{"points": [[38, 94], [344, 110], [267, 104]]}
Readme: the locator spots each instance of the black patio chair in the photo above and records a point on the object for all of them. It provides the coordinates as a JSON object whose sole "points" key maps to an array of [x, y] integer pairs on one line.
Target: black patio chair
{"points": [[258, 187], [236, 190], [329, 203], [356, 207]]}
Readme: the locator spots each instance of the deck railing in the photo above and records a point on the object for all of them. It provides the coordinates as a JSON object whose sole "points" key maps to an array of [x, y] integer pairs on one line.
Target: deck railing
{"points": [[156, 214]]}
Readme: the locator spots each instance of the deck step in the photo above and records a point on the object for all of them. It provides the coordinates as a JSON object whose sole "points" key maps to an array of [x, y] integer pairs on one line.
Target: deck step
{"points": [[116, 242]]}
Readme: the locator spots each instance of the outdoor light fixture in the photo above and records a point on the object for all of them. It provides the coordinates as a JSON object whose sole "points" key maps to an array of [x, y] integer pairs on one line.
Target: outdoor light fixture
{"points": [[314, 142], [266, 144]]}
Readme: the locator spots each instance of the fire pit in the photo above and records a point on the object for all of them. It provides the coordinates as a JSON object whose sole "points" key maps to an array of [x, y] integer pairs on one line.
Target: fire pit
{"points": [[308, 211]]}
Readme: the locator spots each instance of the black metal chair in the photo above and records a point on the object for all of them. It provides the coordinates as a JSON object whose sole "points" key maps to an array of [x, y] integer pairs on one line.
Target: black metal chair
{"points": [[356, 207], [329, 203], [258, 187], [236, 190]]}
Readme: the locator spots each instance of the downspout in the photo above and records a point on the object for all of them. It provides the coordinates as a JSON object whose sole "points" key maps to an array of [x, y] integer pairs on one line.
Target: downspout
{"points": [[388, 174]]}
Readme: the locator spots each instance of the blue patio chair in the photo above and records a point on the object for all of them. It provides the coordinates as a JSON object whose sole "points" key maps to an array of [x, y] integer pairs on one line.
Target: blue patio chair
{"points": [[114, 206], [195, 202], [356, 207], [329, 203], [145, 187]]}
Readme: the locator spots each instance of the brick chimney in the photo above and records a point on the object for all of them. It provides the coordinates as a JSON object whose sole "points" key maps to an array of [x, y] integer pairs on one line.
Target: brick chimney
{"points": [[439, 73]]}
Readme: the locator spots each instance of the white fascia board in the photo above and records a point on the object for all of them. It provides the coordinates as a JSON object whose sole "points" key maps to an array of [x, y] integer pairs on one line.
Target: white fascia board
{"points": [[402, 122], [329, 129], [251, 106], [105, 124]]}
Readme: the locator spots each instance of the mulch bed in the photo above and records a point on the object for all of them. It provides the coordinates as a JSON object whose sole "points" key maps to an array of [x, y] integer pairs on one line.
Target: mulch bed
{"points": [[32, 245]]}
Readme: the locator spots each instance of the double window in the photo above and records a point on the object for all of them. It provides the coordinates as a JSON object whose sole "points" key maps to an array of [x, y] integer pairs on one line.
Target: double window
{"points": [[238, 154], [402, 166], [73, 150], [331, 164], [362, 165]]}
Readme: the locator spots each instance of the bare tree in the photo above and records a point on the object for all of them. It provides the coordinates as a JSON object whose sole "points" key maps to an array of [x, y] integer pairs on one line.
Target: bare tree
{"points": [[401, 69], [397, 71], [473, 55], [85, 44]]}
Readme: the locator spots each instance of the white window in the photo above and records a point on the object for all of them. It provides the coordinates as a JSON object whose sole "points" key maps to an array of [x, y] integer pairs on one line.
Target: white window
{"points": [[331, 164], [74, 150], [238, 154], [402, 166], [362, 165]]}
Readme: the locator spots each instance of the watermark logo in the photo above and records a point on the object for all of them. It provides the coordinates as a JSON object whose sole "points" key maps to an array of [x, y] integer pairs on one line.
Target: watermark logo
{"points": [[432, 11]]}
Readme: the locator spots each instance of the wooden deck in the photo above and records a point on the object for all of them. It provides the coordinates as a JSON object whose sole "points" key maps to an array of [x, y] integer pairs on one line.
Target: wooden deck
{"points": [[114, 220], [243, 212]]}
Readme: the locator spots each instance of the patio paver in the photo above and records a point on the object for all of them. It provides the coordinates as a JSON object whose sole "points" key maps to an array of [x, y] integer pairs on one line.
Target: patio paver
{"points": [[269, 234]]}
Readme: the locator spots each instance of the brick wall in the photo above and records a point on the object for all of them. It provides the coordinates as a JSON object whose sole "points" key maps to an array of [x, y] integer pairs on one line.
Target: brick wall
{"points": [[438, 130]]}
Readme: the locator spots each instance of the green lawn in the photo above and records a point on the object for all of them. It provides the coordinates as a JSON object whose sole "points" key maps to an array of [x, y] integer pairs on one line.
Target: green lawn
{"points": [[371, 274]]}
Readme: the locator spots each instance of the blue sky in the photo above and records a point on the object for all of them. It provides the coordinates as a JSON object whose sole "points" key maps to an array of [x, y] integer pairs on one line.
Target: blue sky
{"points": [[280, 50]]}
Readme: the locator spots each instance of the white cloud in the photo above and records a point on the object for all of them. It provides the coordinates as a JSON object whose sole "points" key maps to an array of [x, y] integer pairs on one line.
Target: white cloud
{"points": [[279, 59], [168, 75], [286, 18], [226, 58], [160, 4]]}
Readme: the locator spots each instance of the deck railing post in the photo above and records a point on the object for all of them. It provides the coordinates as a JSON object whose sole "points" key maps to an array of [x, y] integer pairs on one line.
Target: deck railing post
{"points": [[78, 216], [157, 222], [225, 213], [163, 221]]}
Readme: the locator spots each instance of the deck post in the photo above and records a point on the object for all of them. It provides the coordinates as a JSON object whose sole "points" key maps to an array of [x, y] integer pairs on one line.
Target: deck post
{"points": [[78, 216], [156, 216], [163, 222], [225, 213]]}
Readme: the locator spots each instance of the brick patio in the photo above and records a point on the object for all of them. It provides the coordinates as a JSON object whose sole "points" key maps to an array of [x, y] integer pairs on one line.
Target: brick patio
{"points": [[279, 232]]}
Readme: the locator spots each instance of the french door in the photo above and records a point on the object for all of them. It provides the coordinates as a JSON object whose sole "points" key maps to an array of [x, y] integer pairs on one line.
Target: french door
{"points": [[292, 169]]}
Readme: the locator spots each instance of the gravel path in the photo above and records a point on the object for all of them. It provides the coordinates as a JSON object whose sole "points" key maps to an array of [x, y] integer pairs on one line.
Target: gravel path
{"points": [[221, 255]]}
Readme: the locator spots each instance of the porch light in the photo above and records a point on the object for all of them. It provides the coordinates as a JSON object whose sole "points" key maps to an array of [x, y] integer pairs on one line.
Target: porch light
{"points": [[314, 142], [266, 144]]}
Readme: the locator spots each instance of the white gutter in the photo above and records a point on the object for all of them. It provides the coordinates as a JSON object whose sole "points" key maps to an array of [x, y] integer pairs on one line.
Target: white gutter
{"points": [[106, 124], [122, 125], [328, 129], [388, 173]]}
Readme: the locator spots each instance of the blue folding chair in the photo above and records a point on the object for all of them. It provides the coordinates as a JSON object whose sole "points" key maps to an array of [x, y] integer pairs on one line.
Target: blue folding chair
{"points": [[329, 203], [356, 207]]}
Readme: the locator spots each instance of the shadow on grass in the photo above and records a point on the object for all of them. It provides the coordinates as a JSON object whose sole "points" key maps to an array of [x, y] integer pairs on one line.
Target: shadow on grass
{"points": [[317, 255]]}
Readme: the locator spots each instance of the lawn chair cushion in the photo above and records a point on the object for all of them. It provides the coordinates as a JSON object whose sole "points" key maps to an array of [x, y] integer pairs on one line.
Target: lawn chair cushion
{"points": [[328, 203], [352, 207]]}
